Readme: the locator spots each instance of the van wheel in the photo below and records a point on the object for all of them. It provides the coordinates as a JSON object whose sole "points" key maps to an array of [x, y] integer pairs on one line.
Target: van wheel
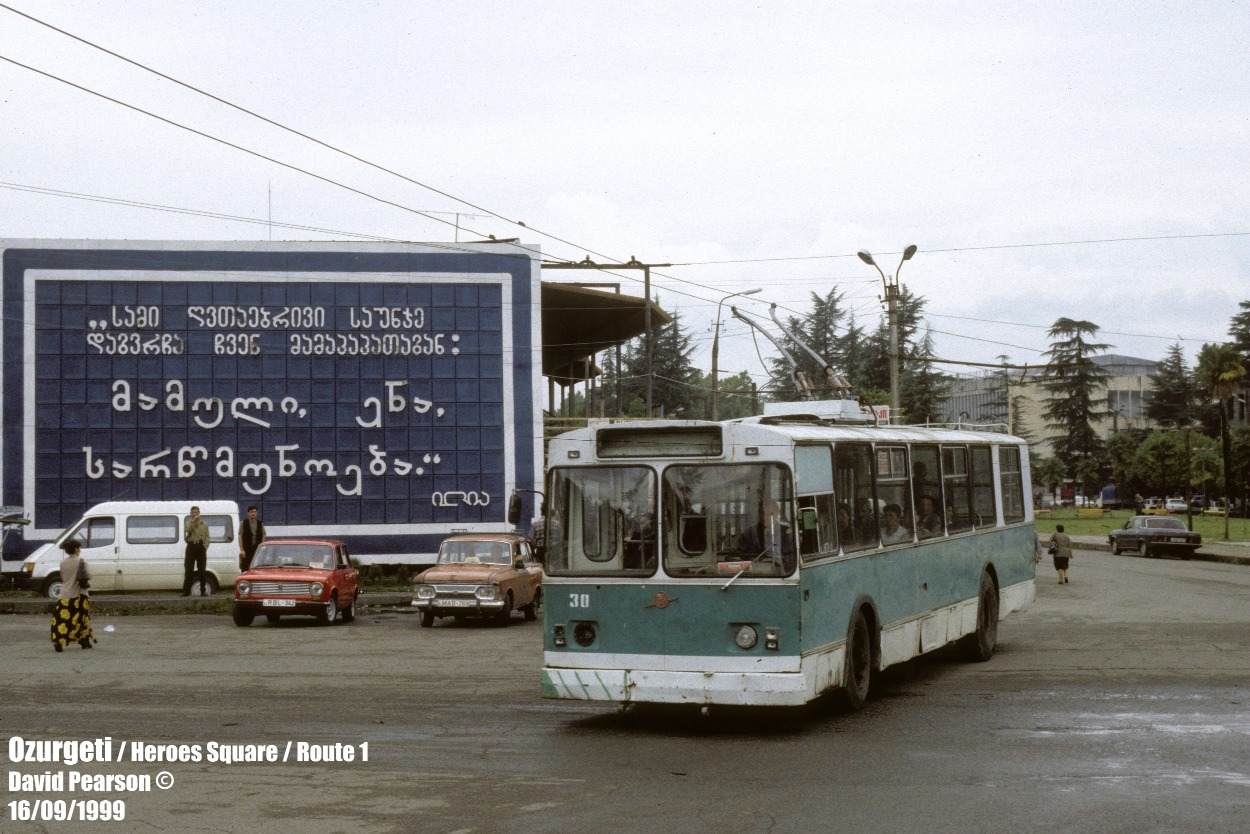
{"points": [[242, 618], [52, 587], [858, 665], [209, 581]]}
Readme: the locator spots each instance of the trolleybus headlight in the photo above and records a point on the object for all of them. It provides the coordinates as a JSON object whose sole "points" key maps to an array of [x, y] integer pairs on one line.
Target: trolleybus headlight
{"points": [[557, 637], [746, 638], [244, 588], [772, 638], [425, 592], [584, 634]]}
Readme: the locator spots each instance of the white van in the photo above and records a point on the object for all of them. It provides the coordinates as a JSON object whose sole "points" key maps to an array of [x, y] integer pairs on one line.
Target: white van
{"points": [[138, 546]]}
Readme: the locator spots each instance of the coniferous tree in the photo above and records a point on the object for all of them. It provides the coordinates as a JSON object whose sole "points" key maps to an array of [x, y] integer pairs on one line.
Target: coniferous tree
{"points": [[1175, 392], [819, 331], [674, 387], [921, 386], [1240, 331], [1074, 383]]}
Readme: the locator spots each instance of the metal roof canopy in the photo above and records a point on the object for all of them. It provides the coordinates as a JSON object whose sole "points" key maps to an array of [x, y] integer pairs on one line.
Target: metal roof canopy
{"points": [[579, 322]]}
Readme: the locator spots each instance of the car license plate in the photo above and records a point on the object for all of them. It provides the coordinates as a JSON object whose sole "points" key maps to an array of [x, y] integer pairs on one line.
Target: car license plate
{"points": [[279, 603], [456, 603], [1177, 539]]}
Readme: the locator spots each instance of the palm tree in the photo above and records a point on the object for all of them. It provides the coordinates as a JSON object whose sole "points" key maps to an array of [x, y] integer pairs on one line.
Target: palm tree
{"points": [[1220, 371]]}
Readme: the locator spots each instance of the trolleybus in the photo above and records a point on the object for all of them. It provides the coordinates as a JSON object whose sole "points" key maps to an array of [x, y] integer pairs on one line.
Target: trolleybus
{"points": [[769, 560]]}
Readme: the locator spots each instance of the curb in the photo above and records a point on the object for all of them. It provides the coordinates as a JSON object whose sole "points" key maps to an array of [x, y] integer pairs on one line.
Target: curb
{"points": [[106, 604]]}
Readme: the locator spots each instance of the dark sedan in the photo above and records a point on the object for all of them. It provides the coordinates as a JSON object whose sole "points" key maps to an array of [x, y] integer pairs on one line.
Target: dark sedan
{"points": [[1152, 535]]}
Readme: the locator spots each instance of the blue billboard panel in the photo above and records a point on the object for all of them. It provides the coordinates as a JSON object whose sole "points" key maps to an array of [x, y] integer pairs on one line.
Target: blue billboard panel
{"points": [[376, 393]]}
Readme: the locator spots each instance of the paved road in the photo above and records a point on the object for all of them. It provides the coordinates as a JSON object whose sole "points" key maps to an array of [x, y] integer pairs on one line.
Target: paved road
{"points": [[1118, 702]]}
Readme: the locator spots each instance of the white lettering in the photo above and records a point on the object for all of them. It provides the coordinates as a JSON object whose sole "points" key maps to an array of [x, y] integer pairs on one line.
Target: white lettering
{"points": [[121, 395]]}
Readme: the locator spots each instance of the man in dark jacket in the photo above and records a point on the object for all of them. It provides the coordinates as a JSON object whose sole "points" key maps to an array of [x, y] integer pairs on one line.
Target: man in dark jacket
{"points": [[251, 534]]}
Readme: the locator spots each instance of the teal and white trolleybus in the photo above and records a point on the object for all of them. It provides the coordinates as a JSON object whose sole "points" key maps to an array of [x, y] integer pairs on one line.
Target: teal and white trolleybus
{"points": [[768, 560]]}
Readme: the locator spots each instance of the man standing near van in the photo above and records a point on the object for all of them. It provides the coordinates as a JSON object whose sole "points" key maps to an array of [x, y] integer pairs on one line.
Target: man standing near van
{"points": [[195, 533], [251, 534]]}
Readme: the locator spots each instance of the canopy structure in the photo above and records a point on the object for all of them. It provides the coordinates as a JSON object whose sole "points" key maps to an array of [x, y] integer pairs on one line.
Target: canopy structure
{"points": [[579, 322]]}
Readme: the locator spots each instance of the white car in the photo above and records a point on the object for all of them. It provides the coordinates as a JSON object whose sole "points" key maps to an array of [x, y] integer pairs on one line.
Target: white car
{"points": [[1176, 505]]}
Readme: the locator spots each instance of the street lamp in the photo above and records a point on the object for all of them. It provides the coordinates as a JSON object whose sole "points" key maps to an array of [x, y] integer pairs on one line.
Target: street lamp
{"points": [[891, 298], [716, 343]]}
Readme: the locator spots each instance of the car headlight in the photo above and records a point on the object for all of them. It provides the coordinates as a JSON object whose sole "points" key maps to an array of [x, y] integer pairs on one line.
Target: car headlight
{"points": [[243, 587], [316, 589], [28, 567], [487, 592], [425, 592]]}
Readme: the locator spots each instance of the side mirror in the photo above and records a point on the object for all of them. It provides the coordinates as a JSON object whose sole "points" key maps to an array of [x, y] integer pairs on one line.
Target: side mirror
{"points": [[807, 518], [514, 509]]}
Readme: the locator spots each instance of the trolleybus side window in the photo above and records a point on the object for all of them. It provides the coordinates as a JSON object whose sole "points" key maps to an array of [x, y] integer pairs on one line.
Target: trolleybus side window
{"points": [[717, 517], [813, 473], [1012, 483], [986, 514], [926, 474], [893, 495], [955, 488], [857, 500]]}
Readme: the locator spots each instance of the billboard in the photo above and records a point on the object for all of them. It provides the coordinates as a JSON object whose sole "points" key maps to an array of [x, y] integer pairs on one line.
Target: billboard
{"points": [[385, 394]]}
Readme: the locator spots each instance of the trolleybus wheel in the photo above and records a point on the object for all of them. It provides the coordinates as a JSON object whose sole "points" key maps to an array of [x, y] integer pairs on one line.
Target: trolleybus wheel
{"points": [[979, 646], [858, 663]]}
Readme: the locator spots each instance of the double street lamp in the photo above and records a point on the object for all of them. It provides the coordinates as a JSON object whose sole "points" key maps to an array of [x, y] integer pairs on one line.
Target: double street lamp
{"points": [[891, 300], [716, 344]]}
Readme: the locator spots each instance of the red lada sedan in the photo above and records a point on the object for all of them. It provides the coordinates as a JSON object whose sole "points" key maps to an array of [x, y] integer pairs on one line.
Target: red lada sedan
{"points": [[310, 577]]}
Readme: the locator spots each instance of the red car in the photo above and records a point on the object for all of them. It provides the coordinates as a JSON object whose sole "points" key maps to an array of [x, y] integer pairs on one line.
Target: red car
{"points": [[310, 577]]}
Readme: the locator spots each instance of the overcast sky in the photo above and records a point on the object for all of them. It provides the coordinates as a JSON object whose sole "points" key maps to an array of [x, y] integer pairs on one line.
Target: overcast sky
{"points": [[1085, 160]]}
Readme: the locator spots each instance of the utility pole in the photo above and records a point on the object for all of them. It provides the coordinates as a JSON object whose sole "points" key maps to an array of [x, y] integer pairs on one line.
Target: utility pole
{"points": [[633, 263], [891, 302]]}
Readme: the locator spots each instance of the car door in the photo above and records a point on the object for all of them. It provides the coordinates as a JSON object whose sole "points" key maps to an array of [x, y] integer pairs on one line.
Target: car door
{"points": [[349, 577]]}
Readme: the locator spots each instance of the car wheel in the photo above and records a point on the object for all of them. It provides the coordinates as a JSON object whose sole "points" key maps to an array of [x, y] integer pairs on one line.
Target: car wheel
{"points": [[1115, 546], [505, 613], [331, 611], [427, 619], [535, 606], [52, 587], [273, 618], [242, 618], [349, 613], [979, 646], [858, 664], [1143, 549]]}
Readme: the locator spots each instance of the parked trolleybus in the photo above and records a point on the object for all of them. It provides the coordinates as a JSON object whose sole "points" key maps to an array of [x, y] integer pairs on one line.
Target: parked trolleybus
{"points": [[769, 560]]}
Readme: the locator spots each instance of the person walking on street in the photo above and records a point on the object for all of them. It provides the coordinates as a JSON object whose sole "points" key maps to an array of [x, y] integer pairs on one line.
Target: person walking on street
{"points": [[1061, 552], [71, 619], [251, 534], [195, 560]]}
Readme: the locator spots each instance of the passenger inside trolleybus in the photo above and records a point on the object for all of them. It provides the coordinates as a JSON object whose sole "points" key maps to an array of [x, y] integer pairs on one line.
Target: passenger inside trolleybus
{"points": [[769, 538]]}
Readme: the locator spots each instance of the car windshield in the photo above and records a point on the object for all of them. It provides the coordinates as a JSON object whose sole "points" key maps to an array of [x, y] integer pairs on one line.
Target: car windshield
{"points": [[464, 552], [294, 556], [1165, 523]]}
